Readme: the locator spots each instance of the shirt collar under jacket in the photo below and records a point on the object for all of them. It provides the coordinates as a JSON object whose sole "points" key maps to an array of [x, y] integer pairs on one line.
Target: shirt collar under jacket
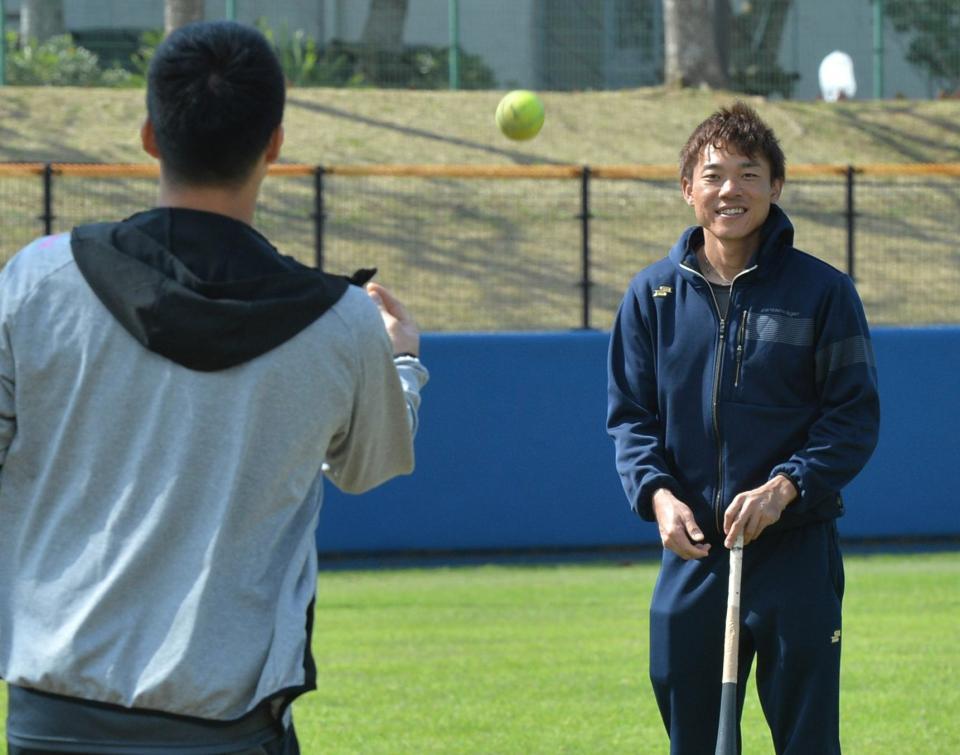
{"points": [[775, 236]]}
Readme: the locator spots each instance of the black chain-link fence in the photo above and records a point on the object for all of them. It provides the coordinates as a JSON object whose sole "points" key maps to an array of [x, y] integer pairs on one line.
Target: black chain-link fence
{"points": [[543, 248], [767, 47]]}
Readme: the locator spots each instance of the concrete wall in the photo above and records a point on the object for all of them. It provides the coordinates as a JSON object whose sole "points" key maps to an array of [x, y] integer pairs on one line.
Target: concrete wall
{"points": [[499, 31], [815, 29], [513, 454]]}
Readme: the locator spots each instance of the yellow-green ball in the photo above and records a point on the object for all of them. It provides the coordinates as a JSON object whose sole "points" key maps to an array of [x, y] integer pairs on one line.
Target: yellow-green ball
{"points": [[520, 115]]}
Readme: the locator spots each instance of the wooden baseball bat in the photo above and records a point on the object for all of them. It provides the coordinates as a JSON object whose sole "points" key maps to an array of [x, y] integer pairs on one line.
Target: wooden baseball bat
{"points": [[727, 729]]}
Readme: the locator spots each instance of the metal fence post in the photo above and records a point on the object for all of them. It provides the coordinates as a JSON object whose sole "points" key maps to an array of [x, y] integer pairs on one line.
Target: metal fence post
{"points": [[453, 56], [851, 222], [585, 282], [48, 216], [878, 21], [319, 215], [3, 43]]}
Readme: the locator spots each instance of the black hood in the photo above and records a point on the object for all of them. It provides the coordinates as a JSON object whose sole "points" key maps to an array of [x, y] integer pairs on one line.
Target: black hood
{"points": [[202, 289]]}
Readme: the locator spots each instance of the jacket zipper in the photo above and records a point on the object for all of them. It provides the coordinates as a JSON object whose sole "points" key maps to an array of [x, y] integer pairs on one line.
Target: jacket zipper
{"points": [[715, 400], [715, 395], [740, 338]]}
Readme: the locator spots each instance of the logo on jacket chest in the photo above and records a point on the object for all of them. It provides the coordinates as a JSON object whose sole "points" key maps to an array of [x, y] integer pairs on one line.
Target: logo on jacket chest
{"points": [[662, 291]]}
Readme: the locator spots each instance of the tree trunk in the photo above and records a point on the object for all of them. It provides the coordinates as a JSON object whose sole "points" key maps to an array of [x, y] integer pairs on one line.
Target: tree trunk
{"points": [[691, 53], [723, 33], [177, 13], [755, 39], [382, 40], [383, 29], [774, 22], [41, 19]]}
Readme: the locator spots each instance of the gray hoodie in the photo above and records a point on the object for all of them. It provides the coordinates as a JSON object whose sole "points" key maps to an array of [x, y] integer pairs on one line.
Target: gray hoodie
{"points": [[157, 521]]}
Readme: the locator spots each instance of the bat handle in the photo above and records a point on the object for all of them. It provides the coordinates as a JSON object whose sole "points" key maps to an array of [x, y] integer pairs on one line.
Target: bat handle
{"points": [[731, 644]]}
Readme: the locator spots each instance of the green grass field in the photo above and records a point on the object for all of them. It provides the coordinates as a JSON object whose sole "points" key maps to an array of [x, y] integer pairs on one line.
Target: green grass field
{"points": [[499, 660]]}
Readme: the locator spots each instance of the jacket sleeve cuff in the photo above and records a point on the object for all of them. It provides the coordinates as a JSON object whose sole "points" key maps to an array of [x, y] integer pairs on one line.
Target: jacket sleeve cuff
{"points": [[413, 376], [785, 470], [644, 504]]}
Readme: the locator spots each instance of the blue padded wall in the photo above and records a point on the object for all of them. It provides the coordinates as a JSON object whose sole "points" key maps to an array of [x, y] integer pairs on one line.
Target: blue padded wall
{"points": [[513, 453]]}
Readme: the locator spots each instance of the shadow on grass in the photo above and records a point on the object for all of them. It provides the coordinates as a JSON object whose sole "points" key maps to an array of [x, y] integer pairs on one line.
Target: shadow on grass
{"points": [[45, 149], [514, 155], [950, 126], [903, 143]]}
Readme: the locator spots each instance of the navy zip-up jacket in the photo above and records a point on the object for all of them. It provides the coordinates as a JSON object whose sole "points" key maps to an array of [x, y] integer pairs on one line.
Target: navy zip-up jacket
{"points": [[710, 407]]}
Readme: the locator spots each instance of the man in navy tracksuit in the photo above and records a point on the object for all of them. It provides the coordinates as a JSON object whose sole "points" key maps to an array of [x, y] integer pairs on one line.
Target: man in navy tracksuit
{"points": [[742, 398]]}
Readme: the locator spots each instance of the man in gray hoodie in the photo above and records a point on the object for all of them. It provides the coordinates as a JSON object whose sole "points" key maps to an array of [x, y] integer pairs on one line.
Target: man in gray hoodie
{"points": [[172, 393]]}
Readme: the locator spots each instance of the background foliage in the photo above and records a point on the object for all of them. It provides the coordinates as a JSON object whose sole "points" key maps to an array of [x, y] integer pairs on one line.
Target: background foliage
{"points": [[934, 28], [354, 64], [58, 61]]}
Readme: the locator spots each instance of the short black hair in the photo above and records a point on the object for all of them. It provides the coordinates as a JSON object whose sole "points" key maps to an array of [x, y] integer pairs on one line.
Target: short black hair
{"points": [[215, 95], [736, 128]]}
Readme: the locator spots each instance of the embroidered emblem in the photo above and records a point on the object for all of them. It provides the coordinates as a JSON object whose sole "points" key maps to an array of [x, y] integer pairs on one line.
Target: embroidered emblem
{"points": [[662, 291], [836, 637]]}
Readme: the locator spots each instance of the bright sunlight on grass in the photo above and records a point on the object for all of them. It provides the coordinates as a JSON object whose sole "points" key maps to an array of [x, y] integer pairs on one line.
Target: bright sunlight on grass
{"points": [[502, 660]]}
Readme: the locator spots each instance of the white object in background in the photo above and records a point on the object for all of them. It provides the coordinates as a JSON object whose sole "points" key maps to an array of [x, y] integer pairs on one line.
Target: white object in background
{"points": [[837, 81]]}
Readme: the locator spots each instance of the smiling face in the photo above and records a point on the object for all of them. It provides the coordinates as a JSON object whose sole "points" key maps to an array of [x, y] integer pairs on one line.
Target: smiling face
{"points": [[730, 194]]}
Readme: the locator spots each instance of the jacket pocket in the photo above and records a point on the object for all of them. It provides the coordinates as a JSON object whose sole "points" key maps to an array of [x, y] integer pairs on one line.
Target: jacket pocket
{"points": [[773, 360], [741, 337], [835, 561]]}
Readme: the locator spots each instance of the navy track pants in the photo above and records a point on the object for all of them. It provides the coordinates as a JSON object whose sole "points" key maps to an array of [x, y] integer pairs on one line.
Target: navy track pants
{"points": [[791, 592]]}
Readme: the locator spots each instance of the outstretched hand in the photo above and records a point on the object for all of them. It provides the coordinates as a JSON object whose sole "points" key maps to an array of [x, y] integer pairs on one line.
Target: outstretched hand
{"points": [[401, 328], [678, 527]]}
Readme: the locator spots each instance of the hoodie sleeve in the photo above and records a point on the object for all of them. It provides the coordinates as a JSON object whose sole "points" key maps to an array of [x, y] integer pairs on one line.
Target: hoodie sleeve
{"points": [[633, 419], [842, 439], [413, 376], [377, 443]]}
